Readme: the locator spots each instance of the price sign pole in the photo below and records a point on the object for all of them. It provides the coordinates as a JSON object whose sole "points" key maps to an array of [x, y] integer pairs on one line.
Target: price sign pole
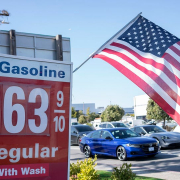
{"points": [[35, 98]]}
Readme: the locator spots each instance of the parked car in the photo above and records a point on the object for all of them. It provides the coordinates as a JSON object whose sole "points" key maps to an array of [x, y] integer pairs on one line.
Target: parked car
{"points": [[74, 123], [110, 125], [169, 123], [122, 143], [78, 131], [150, 122], [165, 138]]}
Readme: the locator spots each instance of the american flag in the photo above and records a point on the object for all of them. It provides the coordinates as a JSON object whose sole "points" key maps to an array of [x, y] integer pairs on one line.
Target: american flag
{"points": [[150, 57]]}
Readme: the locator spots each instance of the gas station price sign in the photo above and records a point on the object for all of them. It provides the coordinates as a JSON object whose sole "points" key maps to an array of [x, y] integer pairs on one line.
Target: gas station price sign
{"points": [[35, 98]]}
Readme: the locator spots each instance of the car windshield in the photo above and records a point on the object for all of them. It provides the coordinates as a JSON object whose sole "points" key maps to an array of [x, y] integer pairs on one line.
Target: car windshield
{"points": [[123, 133], [84, 128], [153, 129], [118, 125]]}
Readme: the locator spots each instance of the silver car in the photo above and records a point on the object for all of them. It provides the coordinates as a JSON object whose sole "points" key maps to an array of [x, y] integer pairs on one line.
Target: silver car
{"points": [[165, 138]]}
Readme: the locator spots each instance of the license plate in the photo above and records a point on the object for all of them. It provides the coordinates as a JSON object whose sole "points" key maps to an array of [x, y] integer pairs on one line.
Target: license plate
{"points": [[151, 148]]}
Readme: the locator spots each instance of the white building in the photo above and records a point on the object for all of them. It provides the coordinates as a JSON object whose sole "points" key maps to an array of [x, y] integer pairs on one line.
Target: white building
{"points": [[140, 105], [84, 106]]}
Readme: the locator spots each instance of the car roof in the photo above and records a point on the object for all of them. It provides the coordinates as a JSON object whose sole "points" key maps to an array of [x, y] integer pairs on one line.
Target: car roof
{"points": [[109, 129], [111, 122], [145, 126], [80, 125]]}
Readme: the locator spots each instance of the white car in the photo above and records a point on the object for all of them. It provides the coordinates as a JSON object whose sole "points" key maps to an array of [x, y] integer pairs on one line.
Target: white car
{"points": [[170, 123], [114, 124]]}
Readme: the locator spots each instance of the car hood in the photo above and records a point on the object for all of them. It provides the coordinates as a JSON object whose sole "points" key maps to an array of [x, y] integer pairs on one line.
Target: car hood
{"points": [[169, 134], [139, 140]]}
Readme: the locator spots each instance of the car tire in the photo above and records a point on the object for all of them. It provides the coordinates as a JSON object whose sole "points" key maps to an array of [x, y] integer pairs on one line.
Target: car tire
{"points": [[87, 151], [121, 153]]}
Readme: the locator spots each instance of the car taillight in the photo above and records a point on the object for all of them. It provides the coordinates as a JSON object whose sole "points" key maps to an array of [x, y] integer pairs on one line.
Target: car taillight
{"points": [[79, 140]]}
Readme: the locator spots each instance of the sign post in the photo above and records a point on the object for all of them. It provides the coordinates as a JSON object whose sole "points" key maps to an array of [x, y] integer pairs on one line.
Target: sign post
{"points": [[35, 98]]}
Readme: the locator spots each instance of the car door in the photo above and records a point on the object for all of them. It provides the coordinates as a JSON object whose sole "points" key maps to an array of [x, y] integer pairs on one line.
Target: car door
{"points": [[106, 144], [95, 141]]}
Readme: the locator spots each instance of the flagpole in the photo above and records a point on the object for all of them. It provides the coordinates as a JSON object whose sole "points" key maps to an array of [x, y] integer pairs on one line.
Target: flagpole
{"points": [[108, 41]]}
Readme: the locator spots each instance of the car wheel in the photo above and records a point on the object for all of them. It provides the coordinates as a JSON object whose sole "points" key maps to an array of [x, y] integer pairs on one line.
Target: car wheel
{"points": [[87, 151], [121, 153]]}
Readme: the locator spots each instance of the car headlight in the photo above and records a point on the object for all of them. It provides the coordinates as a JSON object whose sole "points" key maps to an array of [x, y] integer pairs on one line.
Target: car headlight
{"points": [[157, 143], [133, 145], [165, 137]]}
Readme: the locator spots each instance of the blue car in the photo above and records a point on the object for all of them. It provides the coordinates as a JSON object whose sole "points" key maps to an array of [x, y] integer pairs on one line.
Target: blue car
{"points": [[122, 143]]}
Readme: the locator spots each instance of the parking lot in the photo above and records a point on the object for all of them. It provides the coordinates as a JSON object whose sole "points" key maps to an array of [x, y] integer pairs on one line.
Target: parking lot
{"points": [[166, 165]]}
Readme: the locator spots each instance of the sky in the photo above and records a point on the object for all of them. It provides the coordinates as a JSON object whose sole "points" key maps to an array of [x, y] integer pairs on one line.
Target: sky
{"points": [[89, 24]]}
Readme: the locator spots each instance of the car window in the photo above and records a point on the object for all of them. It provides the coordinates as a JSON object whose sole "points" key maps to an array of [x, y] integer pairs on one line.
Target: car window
{"points": [[75, 123], [109, 126], [96, 134], [72, 129], [153, 129], [118, 125], [89, 135], [105, 134], [123, 133], [84, 128], [139, 130], [102, 125]]}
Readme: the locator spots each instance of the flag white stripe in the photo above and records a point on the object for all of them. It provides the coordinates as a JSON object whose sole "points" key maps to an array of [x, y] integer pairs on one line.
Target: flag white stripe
{"points": [[155, 58], [173, 54], [176, 46], [149, 67], [147, 79]]}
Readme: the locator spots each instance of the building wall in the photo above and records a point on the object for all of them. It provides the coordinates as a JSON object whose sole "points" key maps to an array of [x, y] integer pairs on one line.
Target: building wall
{"points": [[83, 107], [140, 105]]}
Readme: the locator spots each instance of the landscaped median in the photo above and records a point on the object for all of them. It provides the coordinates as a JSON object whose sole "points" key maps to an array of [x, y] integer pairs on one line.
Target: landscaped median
{"points": [[106, 175], [85, 170]]}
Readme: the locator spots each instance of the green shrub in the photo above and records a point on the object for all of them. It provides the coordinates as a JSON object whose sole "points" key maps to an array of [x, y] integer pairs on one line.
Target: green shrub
{"points": [[123, 173], [84, 170]]}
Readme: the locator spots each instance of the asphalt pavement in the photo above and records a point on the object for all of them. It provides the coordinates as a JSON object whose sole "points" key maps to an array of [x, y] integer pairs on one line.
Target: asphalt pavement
{"points": [[166, 165]]}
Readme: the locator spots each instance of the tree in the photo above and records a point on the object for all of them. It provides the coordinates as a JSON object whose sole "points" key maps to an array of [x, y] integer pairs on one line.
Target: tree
{"points": [[88, 114], [79, 113], [154, 111], [73, 113], [82, 119], [112, 113], [92, 116]]}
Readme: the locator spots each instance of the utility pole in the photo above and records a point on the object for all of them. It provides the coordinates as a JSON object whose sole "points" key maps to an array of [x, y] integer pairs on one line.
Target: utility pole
{"points": [[6, 14]]}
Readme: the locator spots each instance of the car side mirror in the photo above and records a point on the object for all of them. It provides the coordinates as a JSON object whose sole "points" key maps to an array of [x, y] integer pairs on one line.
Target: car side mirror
{"points": [[75, 132], [142, 134], [108, 138]]}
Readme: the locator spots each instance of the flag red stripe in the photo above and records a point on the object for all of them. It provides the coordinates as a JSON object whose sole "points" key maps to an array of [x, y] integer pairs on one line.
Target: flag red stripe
{"points": [[173, 48], [144, 86], [159, 66], [171, 60], [149, 73], [178, 42]]}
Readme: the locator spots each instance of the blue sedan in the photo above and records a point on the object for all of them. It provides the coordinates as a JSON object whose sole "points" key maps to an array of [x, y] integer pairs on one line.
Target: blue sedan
{"points": [[122, 143]]}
